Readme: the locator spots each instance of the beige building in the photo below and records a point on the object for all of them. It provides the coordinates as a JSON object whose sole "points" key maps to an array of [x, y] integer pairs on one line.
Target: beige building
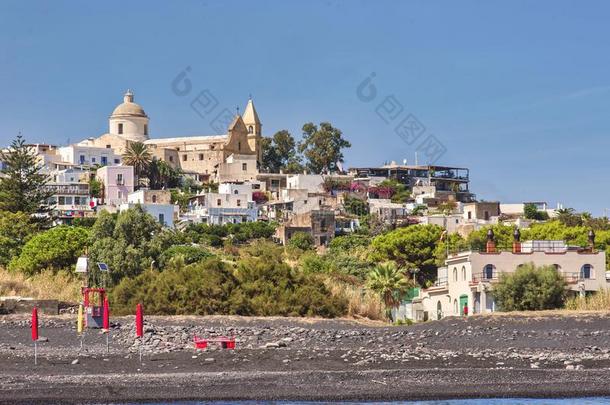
{"points": [[468, 278], [233, 156]]}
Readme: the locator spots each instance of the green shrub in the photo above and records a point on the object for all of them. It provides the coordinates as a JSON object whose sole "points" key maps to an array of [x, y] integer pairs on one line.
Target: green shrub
{"points": [[190, 254], [15, 231], [55, 249], [530, 288], [203, 288], [301, 240]]}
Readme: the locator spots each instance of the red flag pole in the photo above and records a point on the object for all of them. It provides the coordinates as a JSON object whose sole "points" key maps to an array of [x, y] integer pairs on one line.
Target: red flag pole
{"points": [[35, 333], [139, 327], [106, 324]]}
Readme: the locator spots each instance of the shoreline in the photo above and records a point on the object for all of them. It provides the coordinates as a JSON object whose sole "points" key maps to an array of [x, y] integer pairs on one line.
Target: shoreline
{"points": [[293, 359]]}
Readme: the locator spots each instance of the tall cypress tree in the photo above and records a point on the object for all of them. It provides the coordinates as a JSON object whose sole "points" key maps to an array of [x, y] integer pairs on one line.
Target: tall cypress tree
{"points": [[23, 185]]}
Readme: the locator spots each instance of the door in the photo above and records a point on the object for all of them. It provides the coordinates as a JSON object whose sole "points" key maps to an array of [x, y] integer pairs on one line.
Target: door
{"points": [[463, 303]]}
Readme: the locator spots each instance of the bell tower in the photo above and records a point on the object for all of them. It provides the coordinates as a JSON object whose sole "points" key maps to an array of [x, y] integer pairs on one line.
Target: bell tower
{"points": [[255, 128]]}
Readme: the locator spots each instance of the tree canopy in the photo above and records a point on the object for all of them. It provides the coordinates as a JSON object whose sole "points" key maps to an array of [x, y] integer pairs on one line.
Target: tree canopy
{"points": [[322, 147], [23, 186]]}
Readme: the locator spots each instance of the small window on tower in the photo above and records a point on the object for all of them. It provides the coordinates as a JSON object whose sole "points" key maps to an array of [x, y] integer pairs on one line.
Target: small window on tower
{"points": [[239, 146], [250, 129], [184, 157], [244, 167], [201, 156], [145, 129], [120, 128]]}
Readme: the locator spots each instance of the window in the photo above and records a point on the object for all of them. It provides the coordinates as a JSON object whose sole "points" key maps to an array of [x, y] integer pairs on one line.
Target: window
{"points": [[154, 198], [469, 214], [585, 271], [104, 160], [235, 191], [120, 129], [455, 275], [108, 146], [239, 146], [117, 161], [120, 194], [239, 203], [219, 202], [488, 272], [486, 215], [201, 156], [250, 129], [81, 158], [244, 167], [184, 157], [171, 159], [92, 160], [119, 179], [464, 273], [146, 131], [162, 219]]}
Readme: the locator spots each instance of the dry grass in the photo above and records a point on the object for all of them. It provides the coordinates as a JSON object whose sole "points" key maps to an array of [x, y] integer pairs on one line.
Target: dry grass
{"points": [[360, 305], [599, 301], [46, 285]]}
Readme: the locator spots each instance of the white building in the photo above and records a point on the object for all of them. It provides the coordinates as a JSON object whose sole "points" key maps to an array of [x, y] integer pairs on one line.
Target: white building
{"points": [[156, 203], [222, 208], [88, 155]]}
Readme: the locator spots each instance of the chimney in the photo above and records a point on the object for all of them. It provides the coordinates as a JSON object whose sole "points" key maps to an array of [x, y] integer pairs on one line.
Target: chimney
{"points": [[491, 243], [516, 241], [591, 236]]}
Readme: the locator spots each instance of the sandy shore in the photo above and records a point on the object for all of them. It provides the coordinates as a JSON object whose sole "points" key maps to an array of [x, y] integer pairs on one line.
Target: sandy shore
{"points": [[554, 355]]}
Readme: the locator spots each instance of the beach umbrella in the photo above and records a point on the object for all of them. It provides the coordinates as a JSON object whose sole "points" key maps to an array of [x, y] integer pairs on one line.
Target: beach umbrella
{"points": [[106, 323], [35, 333], [139, 321], [139, 327], [106, 315], [35, 324]]}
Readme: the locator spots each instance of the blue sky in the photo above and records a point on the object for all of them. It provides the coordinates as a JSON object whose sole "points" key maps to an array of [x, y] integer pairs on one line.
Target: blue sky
{"points": [[516, 91]]}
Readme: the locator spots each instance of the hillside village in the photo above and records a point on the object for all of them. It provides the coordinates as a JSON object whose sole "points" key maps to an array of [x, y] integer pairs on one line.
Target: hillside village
{"points": [[223, 179]]}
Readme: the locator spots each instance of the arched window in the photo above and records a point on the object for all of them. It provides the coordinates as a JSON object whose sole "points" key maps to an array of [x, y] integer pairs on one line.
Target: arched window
{"points": [[250, 129], [455, 275], [488, 272], [585, 271], [464, 273]]}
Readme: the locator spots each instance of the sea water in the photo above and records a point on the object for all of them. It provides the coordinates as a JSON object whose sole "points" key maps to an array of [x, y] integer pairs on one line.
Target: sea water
{"points": [[490, 401]]}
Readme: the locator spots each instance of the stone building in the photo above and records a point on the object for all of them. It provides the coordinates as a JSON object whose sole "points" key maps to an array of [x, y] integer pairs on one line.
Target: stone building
{"points": [[199, 154]]}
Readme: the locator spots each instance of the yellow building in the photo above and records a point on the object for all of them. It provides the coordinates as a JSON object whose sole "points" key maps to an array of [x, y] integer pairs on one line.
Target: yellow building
{"points": [[210, 157]]}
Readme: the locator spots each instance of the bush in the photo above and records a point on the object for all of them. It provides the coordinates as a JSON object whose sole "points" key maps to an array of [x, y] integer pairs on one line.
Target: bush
{"points": [[190, 254], [273, 288], [348, 242], [15, 231], [530, 288], [301, 240], [55, 249], [204, 288]]}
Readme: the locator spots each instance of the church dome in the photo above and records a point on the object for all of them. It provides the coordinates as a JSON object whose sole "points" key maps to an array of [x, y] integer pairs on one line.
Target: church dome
{"points": [[128, 107]]}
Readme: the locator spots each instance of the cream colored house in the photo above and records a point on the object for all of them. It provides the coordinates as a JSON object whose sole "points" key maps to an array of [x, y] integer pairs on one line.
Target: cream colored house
{"points": [[468, 277]]}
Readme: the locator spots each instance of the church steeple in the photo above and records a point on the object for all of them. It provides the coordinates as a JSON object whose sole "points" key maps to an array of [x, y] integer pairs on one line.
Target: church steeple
{"points": [[254, 127], [251, 119]]}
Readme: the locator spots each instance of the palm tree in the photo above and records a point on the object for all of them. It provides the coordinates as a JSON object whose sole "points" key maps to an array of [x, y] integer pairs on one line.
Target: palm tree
{"points": [[390, 283], [137, 155]]}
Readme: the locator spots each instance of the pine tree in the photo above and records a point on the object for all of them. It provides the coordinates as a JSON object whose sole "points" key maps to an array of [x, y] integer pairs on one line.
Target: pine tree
{"points": [[22, 184]]}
